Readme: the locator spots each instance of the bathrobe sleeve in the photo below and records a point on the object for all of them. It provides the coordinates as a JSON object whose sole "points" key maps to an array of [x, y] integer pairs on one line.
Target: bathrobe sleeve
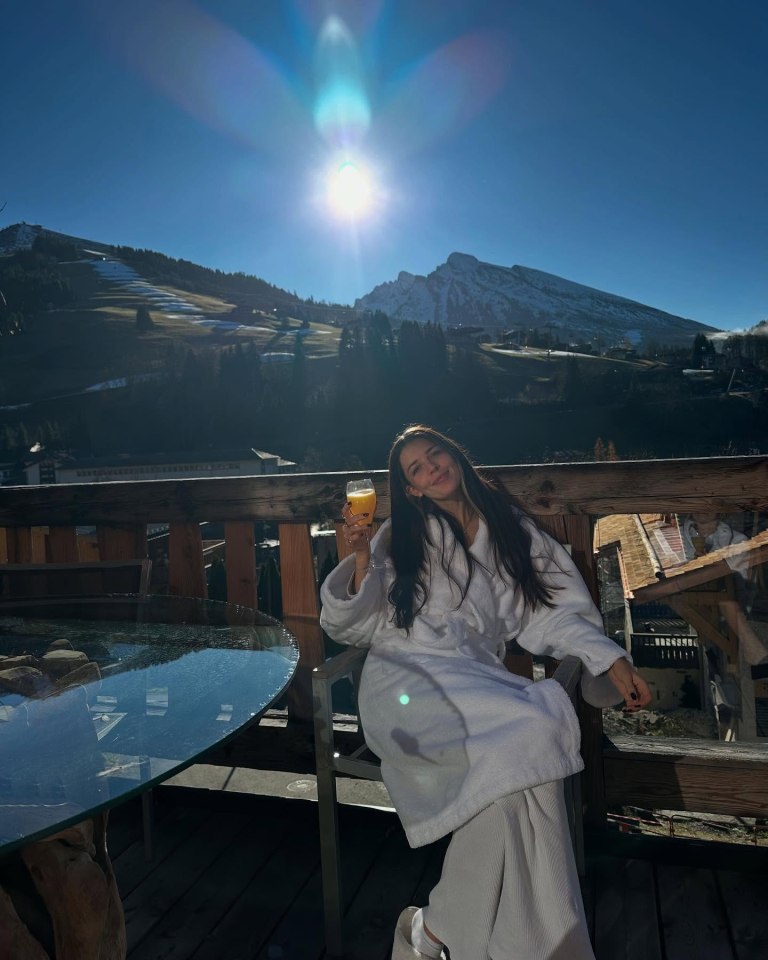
{"points": [[573, 625], [355, 619]]}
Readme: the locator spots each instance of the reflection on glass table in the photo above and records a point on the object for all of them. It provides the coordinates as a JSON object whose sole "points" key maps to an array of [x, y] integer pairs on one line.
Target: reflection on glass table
{"points": [[102, 698]]}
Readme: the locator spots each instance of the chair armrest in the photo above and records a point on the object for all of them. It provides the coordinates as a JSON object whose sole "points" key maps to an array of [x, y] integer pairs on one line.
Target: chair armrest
{"points": [[340, 665], [596, 691], [568, 674]]}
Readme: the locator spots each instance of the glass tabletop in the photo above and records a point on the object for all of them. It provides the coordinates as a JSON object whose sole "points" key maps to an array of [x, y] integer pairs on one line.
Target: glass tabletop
{"points": [[102, 697]]}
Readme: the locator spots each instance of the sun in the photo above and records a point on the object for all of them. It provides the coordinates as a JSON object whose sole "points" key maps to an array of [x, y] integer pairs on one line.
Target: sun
{"points": [[349, 191]]}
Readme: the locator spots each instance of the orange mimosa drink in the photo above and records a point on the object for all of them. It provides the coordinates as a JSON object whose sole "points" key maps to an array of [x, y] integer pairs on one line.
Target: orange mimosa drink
{"points": [[362, 499]]}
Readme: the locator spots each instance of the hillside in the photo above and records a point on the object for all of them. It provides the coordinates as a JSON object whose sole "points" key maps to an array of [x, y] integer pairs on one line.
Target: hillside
{"points": [[225, 360], [93, 341]]}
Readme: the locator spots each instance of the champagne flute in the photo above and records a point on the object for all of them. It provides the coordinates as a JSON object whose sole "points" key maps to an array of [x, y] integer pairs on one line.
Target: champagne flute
{"points": [[362, 499]]}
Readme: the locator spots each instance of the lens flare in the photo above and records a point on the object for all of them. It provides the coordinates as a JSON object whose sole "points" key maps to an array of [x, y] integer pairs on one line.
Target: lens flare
{"points": [[350, 192], [342, 111]]}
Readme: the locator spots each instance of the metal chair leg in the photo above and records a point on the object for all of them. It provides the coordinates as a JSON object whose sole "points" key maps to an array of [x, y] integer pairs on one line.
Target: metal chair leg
{"points": [[147, 817], [330, 859]]}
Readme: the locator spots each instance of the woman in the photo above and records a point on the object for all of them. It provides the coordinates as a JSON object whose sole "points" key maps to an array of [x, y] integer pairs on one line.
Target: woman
{"points": [[465, 746]]}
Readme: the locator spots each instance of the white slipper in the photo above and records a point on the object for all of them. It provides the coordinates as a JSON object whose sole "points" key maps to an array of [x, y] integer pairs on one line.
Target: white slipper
{"points": [[402, 948]]}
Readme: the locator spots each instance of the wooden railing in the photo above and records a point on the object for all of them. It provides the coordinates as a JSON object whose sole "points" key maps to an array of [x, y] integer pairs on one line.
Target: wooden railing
{"points": [[38, 524]]}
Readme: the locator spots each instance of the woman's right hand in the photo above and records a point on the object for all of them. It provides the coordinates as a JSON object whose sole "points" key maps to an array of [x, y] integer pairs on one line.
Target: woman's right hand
{"points": [[357, 533]]}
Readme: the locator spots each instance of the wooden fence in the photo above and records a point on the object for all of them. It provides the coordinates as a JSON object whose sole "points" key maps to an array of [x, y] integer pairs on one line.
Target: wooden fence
{"points": [[38, 524]]}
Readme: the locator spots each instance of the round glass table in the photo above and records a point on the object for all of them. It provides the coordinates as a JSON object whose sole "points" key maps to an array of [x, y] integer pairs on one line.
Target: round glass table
{"points": [[100, 698]]}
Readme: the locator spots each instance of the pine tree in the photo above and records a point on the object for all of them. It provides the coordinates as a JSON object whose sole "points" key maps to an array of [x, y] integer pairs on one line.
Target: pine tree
{"points": [[143, 318], [599, 451]]}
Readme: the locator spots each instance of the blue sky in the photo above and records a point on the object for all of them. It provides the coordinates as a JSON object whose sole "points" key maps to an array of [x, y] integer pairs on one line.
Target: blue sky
{"points": [[616, 143]]}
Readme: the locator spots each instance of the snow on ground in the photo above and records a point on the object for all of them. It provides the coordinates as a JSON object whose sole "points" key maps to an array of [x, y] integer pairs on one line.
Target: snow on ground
{"points": [[169, 304], [541, 352]]}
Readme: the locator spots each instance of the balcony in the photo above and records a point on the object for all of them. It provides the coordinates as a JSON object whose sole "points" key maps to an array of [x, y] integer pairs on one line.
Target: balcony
{"points": [[222, 884]]}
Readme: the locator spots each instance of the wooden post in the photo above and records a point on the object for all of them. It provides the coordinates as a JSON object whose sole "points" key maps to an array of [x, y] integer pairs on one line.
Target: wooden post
{"points": [[301, 612], [186, 570], [240, 559], [578, 533], [19, 544], [575, 531], [63, 544], [125, 541]]}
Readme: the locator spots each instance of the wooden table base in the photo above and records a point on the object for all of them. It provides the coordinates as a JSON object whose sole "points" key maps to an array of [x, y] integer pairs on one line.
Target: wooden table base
{"points": [[77, 914]]}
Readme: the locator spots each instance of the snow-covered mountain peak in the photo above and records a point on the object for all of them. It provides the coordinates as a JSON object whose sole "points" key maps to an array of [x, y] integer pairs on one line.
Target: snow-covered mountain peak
{"points": [[467, 291], [461, 262], [19, 236]]}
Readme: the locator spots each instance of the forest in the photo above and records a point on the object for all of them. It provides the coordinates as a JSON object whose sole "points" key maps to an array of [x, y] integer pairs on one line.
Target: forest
{"points": [[340, 410], [342, 415]]}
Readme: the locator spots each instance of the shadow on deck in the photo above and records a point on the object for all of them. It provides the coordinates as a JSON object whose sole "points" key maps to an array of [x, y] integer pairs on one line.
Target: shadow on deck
{"points": [[236, 877]]}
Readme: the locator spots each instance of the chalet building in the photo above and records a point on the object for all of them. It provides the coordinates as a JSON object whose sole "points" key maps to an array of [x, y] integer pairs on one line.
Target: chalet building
{"points": [[693, 611], [244, 462]]}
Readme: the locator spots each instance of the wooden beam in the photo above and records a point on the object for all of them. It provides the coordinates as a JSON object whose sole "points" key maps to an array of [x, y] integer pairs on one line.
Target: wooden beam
{"points": [[718, 565], [721, 484], [686, 608], [699, 776]]}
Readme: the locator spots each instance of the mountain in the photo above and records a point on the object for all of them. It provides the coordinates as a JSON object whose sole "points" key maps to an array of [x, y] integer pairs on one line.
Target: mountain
{"points": [[466, 291], [21, 236]]}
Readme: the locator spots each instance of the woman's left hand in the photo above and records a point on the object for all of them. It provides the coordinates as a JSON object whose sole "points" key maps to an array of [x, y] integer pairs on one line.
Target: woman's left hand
{"points": [[630, 684]]}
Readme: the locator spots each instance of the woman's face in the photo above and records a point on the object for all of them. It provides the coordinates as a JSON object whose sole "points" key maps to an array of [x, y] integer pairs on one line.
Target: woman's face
{"points": [[429, 470]]}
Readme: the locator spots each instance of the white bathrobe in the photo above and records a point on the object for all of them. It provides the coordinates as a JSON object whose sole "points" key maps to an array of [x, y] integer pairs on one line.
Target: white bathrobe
{"points": [[453, 728]]}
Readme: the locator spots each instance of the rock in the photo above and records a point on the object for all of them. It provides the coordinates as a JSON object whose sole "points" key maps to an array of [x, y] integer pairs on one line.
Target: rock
{"points": [[61, 644], [57, 663], [23, 660], [85, 673], [26, 681]]}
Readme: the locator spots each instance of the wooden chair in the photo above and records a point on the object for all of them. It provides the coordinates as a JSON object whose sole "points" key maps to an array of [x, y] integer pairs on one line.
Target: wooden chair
{"points": [[330, 762], [29, 581]]}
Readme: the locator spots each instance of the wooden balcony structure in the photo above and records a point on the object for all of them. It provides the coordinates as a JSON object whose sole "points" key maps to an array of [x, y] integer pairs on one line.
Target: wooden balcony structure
{"points": [[38, 524]]}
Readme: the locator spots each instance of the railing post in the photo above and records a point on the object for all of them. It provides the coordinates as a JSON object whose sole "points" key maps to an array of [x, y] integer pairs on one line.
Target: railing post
{"points": [[62, 542], [301, 613], [19, 544], [186, 571], [125, 541], [240, 561]]}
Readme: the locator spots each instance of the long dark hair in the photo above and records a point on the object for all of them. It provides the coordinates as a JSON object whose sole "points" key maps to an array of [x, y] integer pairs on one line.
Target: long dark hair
{"points": [[510, 539]]}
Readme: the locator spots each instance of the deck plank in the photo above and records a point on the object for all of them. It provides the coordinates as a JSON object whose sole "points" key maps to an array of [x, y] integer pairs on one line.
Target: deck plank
{"points": [[624, 910], [253, 919], [389, 886], [146, 905], [746, 901], [191, 920], [237, 876], [132, 865], [693, 920]]}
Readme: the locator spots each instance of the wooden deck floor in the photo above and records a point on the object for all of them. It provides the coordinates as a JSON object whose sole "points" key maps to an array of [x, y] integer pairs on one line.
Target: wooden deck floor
{"points": [[236, 877]]}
